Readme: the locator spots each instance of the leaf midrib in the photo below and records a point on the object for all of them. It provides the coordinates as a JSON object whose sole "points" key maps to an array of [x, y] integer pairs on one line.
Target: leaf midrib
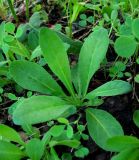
{"points": [[99, 123], [49, 108], [65, 77], [43, 84], [92, 57], [95, 93]]}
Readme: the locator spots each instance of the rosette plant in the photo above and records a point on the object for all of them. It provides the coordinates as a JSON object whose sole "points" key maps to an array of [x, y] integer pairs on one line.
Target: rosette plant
{"points": [[64, 99]]}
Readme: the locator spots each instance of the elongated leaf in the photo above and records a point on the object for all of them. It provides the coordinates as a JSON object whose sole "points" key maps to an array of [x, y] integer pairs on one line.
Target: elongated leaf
{"points": [[36, 53], [39, 109], [70, 143], [92, 53], [33, 39], [54, 154], [19, 48], [35, 149], [112, 88], [136, 117], [2, 32], [10, 134], [75, 77], [46, 138], [70, 131], [129, 154], [9, 151], [135, 27], [33, 77], [102, 126], [55, 54], [75, 45], [119, 143]]}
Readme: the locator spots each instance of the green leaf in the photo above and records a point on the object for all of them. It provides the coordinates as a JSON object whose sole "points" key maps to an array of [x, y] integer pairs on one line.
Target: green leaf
{"points": [[35, 149], [75, 45], [1, 90], [90, 19], [83, 23], [135, 27], [54, 155], [33, 77], [136, 117], [10, 134], [117, 69], [81, 128], [18, 48], [83, 16], [12, 108], [57, 130], [85, 136], [38, 18], [10, 27], [33, 39], [134, 4], [102, 126], [82, 152], [136, 78], [54, 52], [125, 30], [2, 63], [9, 151], [120, 66], [95, 101], [12, 96], [137, 60], [77, 8], [5, 48], [70, 143], [36, 53], [66, 156], [8, 38], [19, 32], [39, 109], [129, 154], [128, 74], [1, 99], [125, 46], [69, 131], [75, 77], [114, 15], [119, 143], [63, 120], [46, 138], [92, 54], [58, 27], [2, 32], [112, 88]]}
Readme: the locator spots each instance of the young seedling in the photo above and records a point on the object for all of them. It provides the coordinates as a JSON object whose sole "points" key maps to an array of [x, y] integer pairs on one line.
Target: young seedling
{"points": [[84, 20]]}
